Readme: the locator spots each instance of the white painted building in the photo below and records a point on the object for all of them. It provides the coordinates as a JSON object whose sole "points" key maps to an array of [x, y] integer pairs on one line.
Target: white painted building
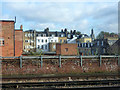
{"points": [[43, 42]]}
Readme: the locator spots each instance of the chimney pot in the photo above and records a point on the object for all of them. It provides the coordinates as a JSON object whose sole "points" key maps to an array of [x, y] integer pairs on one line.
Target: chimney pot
{"points": [[21, 27]]}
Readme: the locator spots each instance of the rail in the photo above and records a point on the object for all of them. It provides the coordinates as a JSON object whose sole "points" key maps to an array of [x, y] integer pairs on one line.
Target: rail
{"points": [[62, 57], [91, 83]]}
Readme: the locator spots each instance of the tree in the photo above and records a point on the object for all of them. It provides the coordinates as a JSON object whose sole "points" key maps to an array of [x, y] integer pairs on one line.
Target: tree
{"points": [[78, 33], [107, 34], [100, 35]]}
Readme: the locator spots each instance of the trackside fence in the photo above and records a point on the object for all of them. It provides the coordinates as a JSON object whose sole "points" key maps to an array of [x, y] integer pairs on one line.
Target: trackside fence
{"points": [[99, 57]]}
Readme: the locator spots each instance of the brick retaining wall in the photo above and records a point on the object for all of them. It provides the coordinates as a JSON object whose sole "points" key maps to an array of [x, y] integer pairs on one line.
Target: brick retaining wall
{"points": [[51, 66]]}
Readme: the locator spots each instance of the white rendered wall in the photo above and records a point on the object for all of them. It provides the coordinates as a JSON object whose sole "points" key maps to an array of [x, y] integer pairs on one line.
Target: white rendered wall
{"points": [[44, 43]]}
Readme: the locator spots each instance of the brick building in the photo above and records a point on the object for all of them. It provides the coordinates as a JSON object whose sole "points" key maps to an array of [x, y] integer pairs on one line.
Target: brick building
{"points": [[9, 39], [19, 41], [66, 49]]}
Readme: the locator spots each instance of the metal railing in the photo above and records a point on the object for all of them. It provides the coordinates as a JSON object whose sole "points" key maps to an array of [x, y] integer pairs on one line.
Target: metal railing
{"points": [[61, 57]]}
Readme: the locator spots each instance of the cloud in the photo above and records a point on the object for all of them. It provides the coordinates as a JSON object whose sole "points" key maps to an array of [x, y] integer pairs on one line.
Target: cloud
{"points": [[42, 26], [107, 11], [45, 12], [60, 0], [72, 15]]}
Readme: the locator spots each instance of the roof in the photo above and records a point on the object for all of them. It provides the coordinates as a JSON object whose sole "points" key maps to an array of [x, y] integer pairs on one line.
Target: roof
{"points": [[29, 31], [7, 21], [18, 30]]}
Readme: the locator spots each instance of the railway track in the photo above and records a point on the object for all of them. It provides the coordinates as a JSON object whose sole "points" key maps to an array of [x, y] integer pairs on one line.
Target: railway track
{"points": [[114, 76], [61, 81], [63, 84]]}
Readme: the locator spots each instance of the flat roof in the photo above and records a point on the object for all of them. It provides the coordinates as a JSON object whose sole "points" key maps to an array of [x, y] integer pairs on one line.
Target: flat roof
{"points": [[7, 21], [18, 30]]}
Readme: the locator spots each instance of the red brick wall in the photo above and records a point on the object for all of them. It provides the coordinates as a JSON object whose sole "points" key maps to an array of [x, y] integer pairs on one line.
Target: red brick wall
{"points": [[51, 66], [18, 42], [72, 49], [7, 33], [58, 49]]}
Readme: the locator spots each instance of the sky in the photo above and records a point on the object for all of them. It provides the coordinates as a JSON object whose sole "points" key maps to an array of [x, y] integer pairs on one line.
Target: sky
{"points": [[80, 15]]}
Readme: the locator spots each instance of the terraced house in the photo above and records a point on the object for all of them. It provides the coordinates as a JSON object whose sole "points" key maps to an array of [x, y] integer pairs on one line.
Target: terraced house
{"points": [[29, 41], [85, 43], [46, 41]]}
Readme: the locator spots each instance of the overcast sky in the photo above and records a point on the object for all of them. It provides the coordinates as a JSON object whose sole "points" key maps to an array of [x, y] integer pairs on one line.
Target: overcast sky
{"points": [[78, 15]]}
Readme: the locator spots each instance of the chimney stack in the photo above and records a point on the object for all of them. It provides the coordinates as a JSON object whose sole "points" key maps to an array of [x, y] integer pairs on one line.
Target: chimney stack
{"points": [[65, 30], [21, 27], [70, 31], [61, 30], [74, 31]]}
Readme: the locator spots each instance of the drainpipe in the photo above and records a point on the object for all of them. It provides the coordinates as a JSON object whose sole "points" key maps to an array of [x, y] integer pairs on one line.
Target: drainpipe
{"points": [[14, 35]]}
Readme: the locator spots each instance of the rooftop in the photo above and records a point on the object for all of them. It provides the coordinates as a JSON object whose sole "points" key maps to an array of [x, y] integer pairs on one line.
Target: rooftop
{"points": [[7, 21]]}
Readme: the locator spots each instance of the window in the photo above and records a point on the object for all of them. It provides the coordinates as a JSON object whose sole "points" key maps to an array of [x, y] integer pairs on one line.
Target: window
{"points": [[39, 34], [64, 41], [83, 44], [42, 46], [55, 40], [60, 40], [45, 46], [26, 35], [46, 40], [86, 44], [38, 40], [42, 40], [54, 47], [1, 42], [44, 35], [66, 49], [80, 44], [102, 43], [38, 46], [26, 40], [53, 35], [29, 35], [61, 35], [51, 40], [97, 43]]}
